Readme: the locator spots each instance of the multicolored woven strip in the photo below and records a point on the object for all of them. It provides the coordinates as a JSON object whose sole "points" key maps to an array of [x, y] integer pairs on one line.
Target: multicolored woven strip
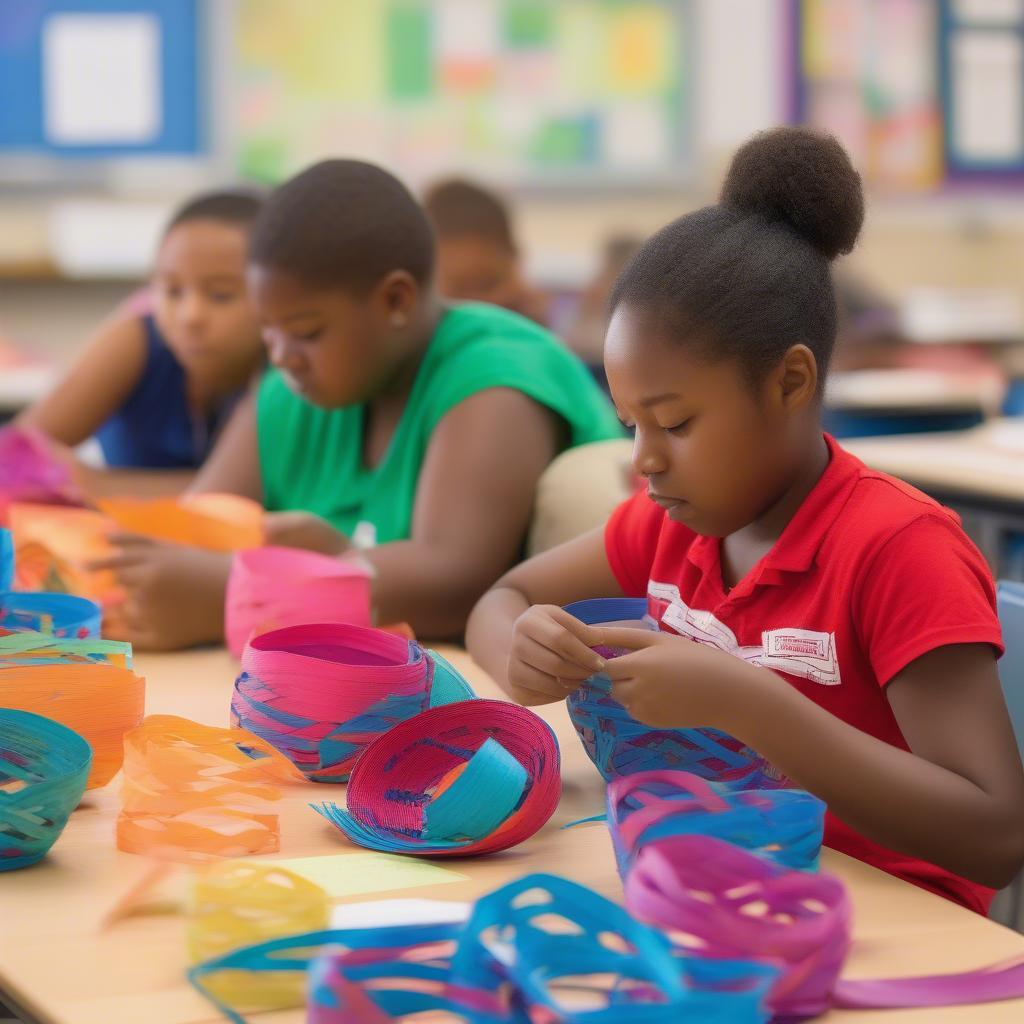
{"points": [[271, 588], [619, 745], [541, 949], [469, 778], [54, 614], [43, 770], [740, 940], [6, 560], [38, 649], [783, 825], [719, 900], [716, 900], [59, 615], [321, 693], [83, 684]]}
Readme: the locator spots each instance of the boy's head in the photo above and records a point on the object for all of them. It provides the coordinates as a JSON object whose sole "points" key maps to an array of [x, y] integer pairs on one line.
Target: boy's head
{"points": [[723, 326], [477, 257], [341, 262], [201, 303]]}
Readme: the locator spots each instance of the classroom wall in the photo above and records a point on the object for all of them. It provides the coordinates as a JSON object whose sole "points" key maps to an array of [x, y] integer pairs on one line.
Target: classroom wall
{"points": [[948, 240]]}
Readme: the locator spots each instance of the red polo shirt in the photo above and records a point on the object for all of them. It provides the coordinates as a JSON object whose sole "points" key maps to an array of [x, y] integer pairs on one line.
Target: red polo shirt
{"points": [[868, 575]]}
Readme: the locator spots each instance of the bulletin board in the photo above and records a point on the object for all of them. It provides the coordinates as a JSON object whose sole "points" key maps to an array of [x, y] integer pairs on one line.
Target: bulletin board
{"points": [[923, 93], [520, 91], [982, 73], [100, 78]]}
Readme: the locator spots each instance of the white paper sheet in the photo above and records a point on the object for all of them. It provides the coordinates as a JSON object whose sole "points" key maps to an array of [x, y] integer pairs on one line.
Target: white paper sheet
{"points": [[101, 79], [381, 913], [988, 96]]}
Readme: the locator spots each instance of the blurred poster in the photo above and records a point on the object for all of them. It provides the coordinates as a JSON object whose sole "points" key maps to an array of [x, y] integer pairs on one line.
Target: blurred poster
{"points": [[521, 91]]}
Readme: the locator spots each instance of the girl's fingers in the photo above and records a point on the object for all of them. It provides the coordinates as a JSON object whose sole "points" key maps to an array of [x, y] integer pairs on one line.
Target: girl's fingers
{"points": [[550, 630], [619, 670], [622, 636], [525, 677], [128, 541], [531, 653], [117, 562]]}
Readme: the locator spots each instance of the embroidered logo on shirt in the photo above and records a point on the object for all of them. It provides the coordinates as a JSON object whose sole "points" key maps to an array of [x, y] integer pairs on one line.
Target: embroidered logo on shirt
{"points": [[805, 653]]}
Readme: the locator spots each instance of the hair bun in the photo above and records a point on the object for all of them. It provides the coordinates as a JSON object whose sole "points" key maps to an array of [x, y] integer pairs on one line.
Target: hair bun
{"points": [[803, 178]]}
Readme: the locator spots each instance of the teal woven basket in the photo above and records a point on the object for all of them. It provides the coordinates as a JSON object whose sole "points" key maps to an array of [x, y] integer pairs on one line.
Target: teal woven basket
{"points": [[43, 769]]}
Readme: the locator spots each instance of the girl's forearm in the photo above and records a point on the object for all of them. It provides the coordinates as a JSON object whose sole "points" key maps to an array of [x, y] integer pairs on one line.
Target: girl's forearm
{"points": [[489, 633], [889, 795]]}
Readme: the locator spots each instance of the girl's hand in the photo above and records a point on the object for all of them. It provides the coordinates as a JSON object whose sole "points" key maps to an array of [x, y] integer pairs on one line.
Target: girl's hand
{"points": [[549, 657], [173, 594], [668, 681], [304, 530]]}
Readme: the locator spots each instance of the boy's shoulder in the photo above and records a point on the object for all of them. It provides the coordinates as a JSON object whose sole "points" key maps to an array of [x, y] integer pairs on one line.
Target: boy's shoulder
{"points": [[465, 322]]}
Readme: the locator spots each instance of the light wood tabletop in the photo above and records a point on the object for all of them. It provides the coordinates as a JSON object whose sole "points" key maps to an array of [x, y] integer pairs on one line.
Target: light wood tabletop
{"points": [[986, 462], [914, 390], [60, 967]]}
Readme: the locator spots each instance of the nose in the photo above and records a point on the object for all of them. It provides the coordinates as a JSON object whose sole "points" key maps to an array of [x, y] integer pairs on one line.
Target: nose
{"points": [[281, 354], [192, 309], [649, 458]]}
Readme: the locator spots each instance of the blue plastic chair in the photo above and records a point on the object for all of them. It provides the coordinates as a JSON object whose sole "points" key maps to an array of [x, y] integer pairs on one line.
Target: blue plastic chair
{"points": [[1010, 600]]}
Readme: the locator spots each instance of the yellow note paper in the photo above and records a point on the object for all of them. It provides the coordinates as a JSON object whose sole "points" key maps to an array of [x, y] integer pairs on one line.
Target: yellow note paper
{"points": [[352, 874]]}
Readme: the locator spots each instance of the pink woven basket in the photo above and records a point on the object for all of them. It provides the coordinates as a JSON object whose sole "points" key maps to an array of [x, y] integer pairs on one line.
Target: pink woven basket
{"points": [[272, 587]]}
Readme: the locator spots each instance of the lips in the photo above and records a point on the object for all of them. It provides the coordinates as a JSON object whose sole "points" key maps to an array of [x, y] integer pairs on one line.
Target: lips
{"points": [[664, 500], [677, 509]]}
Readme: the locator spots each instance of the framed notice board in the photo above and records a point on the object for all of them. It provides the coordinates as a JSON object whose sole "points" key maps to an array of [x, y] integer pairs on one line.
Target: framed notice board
{"points": [[101, 78], [924, 93]]}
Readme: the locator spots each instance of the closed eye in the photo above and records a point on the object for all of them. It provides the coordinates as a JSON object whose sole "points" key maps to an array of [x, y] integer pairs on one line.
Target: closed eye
{"points": [[679, 428], [310, 335]]}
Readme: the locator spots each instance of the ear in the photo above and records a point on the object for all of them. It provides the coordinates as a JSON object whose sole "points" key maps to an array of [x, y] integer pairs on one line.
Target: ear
{"points": [[794, 383], [395, 297]]}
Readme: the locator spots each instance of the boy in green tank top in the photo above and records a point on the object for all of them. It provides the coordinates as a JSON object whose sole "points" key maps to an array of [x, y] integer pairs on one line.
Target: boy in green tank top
{"points": [[391, 426]]}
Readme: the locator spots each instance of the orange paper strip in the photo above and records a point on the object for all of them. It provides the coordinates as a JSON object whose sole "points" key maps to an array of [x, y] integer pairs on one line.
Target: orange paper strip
{"points": [[195, 792], [217, 522], [54, 545], [101, 702]]}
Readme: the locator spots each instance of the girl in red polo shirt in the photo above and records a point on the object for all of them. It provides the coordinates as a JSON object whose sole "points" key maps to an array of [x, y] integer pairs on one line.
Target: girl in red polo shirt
{"points": [[845, 626]]}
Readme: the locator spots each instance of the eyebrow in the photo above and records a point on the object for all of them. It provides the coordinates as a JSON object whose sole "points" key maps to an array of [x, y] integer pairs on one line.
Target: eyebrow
{"points": [[668, 396]]}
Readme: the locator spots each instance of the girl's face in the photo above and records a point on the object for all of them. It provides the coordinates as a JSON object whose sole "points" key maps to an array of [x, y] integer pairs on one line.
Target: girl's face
{"points": [[716, 453], [334, 348], [201, 303]]}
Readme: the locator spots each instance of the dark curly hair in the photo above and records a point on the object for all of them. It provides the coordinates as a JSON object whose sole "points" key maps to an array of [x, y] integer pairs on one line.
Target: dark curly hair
{"points": [[458, 208], [343, 223], [230, 206], [749, 277]]}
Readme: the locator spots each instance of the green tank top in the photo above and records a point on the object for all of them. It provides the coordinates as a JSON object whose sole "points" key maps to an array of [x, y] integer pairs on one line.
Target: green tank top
{"points": [[311, 458]]}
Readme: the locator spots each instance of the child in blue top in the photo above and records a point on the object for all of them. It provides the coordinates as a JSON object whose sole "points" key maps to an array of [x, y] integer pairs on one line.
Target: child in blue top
{"points": [[156, 389]]}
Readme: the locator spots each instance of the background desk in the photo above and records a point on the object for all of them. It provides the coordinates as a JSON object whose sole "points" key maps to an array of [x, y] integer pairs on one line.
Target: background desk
{"points": [[978, 472], [58, 967]]}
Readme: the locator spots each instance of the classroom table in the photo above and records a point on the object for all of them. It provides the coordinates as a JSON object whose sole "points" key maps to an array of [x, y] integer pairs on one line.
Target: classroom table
{"points": [[58, 966], [911, 400], [978, 472]]}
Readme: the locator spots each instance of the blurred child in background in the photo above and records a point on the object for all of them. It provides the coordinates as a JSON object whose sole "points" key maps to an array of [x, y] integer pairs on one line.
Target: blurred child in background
{"points": [[478, 258], [156, 388]]}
